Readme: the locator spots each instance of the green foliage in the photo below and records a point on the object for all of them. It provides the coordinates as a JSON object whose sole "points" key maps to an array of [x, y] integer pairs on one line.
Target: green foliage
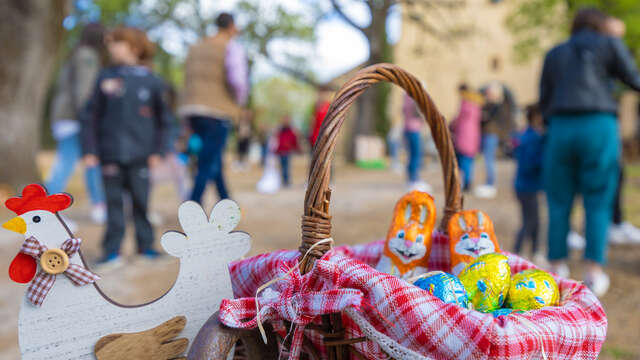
{"points": [[534, 22], [262, 24], [268, 23], [280, 96]]}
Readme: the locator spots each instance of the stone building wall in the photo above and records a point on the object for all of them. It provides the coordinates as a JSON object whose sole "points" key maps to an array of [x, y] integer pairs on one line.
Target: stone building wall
{"points": [[483, 56]]}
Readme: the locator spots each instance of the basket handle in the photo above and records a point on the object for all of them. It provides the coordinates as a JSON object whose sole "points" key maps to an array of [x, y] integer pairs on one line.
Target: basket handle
{"points": [[316, 221]]}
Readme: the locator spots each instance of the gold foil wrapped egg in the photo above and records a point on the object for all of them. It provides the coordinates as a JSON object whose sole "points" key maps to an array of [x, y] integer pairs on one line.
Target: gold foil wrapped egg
{"points": [[487, 281], [532, 289]]}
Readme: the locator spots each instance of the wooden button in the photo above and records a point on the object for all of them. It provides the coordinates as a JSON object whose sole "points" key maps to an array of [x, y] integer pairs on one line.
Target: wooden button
{"points": [[54, 261]]}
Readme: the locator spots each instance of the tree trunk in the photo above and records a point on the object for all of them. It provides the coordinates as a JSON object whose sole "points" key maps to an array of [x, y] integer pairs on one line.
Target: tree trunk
{"points": [[30, 32], [372, 117]]}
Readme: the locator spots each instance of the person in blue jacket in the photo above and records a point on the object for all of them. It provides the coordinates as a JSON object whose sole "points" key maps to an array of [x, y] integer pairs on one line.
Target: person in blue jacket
{"points": [[583, 145], [528, 180]]}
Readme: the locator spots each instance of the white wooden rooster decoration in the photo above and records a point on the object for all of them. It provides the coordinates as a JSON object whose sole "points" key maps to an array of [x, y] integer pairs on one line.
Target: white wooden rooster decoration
{"points": [[64, 313]]}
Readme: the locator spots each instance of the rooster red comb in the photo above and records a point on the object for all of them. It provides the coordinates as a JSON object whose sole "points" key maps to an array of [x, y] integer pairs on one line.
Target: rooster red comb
{"points": [[34, 197]]}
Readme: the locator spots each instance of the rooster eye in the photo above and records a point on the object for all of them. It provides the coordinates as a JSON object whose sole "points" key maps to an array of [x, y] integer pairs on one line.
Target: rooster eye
{"points": [[36, 219]]}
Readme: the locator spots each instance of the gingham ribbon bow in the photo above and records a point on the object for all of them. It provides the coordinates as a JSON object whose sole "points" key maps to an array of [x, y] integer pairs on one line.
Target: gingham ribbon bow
{"points": [[298, 299], [42, 283]]}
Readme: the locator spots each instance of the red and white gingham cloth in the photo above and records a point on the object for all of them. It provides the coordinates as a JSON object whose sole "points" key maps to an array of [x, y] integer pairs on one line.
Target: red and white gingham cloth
{"points": [[43, 282], [410, 316]]}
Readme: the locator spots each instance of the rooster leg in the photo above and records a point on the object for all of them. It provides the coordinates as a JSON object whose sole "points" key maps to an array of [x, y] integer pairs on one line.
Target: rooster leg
{"points": [[174, 348], [153, 344]]}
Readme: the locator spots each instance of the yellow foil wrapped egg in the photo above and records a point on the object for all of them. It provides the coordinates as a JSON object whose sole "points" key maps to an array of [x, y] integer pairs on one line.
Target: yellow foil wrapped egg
{"points": [[487, 281], [532, 289]]}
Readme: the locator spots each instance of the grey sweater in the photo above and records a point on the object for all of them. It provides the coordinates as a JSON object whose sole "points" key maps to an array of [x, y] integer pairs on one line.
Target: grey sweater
{"points": [[74, 84]]}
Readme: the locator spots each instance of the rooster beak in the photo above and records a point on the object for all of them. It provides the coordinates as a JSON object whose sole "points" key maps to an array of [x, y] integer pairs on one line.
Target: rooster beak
{"points": [[16, 224]]}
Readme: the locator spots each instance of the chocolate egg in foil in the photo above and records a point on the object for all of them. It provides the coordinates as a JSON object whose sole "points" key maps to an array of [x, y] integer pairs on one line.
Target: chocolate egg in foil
{"points": [[532, 289], [446, 287], [487, 281], [504, 312]]}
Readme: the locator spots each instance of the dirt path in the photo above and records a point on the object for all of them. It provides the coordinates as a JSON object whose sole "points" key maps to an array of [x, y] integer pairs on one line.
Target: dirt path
{"points": [[361, 208]]}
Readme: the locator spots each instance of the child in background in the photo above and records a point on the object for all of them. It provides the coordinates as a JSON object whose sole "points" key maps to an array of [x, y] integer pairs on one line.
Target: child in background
{"points": [[287, 144], [124, 131], [528, 181], [466, 132], [71, 92]]}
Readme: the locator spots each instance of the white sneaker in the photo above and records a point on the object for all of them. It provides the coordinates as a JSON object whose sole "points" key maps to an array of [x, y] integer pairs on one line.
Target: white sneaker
{"points": [[576, 241], [561, 269], [633, 233], [624, 233], [485, 191], [420, 186], [617, 235], [541, 260], [155, 218], [99, 214], [396, 167], [598, 282]]}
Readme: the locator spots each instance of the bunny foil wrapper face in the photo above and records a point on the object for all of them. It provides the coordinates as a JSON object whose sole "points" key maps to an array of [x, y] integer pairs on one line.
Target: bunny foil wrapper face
{"points": [[471, 235], [408, 243]]}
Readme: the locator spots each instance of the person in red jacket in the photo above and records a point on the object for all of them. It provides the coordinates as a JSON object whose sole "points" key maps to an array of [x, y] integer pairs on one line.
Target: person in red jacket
{"points": [[287, 144], [320, 111]]}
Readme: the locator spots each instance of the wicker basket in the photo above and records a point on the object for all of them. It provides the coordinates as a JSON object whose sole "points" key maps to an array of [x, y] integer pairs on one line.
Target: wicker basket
{"points": [[215, 340], [581, 319]]}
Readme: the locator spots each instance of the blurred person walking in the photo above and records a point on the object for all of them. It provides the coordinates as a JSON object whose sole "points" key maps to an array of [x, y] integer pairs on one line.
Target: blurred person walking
{"points": [[583, 145], [287, 145], [124, 131], [492, 113], [466, 132], [621, 231], [319, 112], [413, 124], [71, 92], [243, 140], [528, 181], [216, 88]]}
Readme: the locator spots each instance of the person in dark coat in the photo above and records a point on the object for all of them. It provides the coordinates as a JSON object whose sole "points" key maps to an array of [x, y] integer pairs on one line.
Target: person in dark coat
{"points": [[125, 131], [583, 145]]}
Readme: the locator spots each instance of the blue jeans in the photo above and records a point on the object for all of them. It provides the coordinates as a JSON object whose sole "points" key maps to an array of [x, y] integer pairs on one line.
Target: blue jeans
{"points": [[284, 168], [490, 144], [213, 133], [414, 145], [465, 163], [582, 156], [394, 148], [68, 153]]}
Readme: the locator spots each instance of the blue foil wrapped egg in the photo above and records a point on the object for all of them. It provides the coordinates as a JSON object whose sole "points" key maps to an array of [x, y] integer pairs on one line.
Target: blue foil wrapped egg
{"points": [[445, 287], [503, 312]]}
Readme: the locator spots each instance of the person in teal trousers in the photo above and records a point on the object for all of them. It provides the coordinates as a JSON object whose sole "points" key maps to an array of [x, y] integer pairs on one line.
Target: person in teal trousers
{"points": [[583, 145]]}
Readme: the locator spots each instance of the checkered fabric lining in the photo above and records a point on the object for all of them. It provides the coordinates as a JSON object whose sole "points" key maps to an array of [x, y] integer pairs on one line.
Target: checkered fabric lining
{"points": [[412, 317]]}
